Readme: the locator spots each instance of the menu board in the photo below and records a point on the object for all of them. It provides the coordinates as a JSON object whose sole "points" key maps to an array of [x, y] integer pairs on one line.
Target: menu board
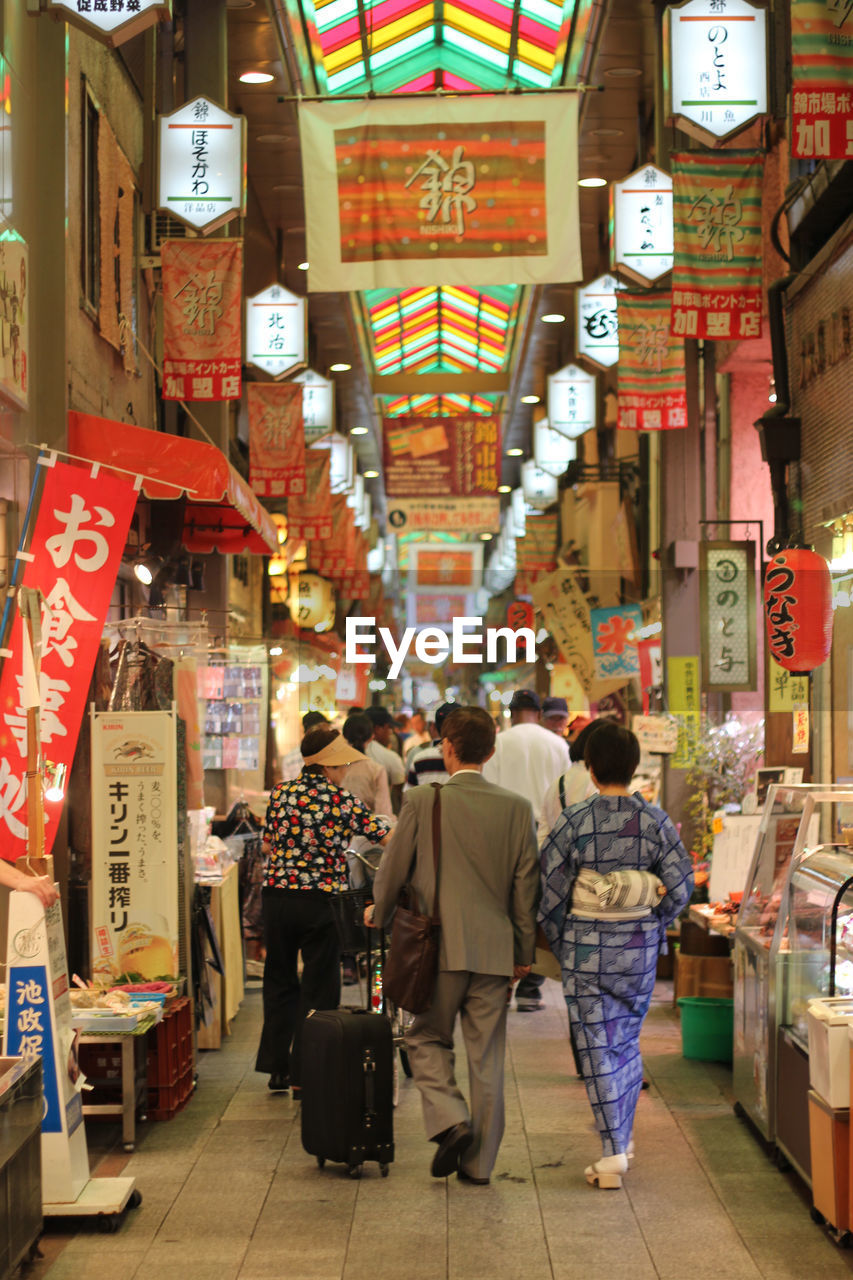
{"points": [[458, 456]]}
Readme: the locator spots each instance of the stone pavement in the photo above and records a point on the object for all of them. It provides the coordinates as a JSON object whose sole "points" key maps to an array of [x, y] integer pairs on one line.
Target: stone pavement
{"points": [[229, 1194]]}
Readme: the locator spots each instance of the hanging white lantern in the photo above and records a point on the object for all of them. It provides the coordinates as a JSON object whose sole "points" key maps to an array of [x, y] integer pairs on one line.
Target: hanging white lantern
{"points": [[342, 471], [540, 489], [643, 239], [717, 81], [518, 512], [552, 451], [312, 600], [597, 328], [572, 401]]}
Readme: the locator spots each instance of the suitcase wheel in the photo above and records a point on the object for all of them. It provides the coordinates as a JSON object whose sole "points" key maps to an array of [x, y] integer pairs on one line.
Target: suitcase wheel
{"points": [[321, 1161], [384, 1169], [354, 1170]]}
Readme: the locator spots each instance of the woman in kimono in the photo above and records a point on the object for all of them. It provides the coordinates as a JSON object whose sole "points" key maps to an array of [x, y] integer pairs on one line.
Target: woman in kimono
{"points": [[605, 923]]}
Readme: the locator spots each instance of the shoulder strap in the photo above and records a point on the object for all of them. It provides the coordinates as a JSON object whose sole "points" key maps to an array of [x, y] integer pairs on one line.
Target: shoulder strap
{"points": [[436, 844], [561, 785]]}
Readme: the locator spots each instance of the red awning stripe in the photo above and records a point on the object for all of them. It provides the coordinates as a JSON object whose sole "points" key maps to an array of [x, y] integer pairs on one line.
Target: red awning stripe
{"points": [[200, 469]]}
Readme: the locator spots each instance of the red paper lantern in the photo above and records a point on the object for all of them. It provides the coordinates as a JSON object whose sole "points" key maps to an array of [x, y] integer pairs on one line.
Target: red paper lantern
{"points": [[798, 609]]}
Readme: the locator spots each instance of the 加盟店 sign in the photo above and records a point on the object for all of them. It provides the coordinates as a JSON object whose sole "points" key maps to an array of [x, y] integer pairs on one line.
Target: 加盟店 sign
{"points": [[202, 171]]}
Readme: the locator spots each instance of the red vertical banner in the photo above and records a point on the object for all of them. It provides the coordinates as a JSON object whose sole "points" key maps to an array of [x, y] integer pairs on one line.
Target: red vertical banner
{"points": [[202, 319], [652, 391], [310, 517], [77, 545], [821, 80], [276, 439]]}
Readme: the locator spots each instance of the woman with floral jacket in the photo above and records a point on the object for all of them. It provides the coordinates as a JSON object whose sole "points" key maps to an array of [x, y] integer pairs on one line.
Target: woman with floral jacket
{"points": [[309, 824]]}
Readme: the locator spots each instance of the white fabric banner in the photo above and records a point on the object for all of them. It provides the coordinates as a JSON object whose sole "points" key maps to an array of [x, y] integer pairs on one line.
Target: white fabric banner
{"points": [[471, 191]]}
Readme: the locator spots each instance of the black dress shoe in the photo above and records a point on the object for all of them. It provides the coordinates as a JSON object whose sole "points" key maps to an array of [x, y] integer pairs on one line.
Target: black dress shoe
{"points": [[469, 1177], [452, 1147], [278, 1083]]}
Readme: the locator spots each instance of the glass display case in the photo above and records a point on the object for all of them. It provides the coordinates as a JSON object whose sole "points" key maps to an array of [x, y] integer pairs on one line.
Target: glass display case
{"points": [[794, 819], [819, 878]]}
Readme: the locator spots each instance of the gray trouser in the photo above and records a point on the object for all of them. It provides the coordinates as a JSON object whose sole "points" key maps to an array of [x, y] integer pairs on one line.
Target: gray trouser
{"points": [[481, 1002]]}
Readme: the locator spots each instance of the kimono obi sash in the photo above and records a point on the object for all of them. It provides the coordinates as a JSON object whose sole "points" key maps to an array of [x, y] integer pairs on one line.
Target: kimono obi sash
{"points": [[616, 895]]}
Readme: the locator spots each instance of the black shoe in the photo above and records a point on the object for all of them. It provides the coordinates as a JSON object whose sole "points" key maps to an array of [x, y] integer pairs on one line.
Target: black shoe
{"points": [[278, 1083], [469, 1177], [296, 1092], [454, 1143]]}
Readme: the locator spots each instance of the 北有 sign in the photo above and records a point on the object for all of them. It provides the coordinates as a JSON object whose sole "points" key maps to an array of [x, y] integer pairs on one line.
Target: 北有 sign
{"points": [[715, 76], [318, 404], [643, 234], [276, 331], [112, 21], [201, 164]]}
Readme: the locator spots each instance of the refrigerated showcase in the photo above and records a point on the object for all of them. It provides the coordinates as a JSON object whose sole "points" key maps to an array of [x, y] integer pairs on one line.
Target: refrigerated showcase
{"points": [[793, 819]]}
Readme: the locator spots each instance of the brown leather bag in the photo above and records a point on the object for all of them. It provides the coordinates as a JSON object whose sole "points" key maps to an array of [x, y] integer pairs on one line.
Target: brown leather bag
{"points": [[411, 964]]}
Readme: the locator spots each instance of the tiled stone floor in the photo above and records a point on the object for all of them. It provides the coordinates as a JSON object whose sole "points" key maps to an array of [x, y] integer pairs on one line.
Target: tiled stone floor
{"points": [[229, 1193]]}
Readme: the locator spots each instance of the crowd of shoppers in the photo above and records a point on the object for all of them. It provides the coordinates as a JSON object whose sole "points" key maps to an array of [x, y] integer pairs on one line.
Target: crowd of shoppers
{"points": [[537, 826]]}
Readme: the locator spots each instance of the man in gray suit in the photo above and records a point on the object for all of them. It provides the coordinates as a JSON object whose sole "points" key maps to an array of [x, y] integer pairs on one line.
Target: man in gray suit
{"points": [[488, 892]]}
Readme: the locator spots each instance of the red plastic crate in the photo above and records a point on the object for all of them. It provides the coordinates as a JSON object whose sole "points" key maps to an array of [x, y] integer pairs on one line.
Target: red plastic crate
{"points": [[167, 1047]]}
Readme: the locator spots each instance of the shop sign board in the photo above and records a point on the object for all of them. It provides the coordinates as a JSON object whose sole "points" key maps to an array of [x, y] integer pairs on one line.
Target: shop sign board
{"points": [[552, 451], [441, 457], [597, 321], [445, 515], [715, 66], [727, 604], [202, 164], [342, 470], [614, 641], [685, 704], [14, 320], [657, 735], [572, 401], [641, 236], [112, 21], [318, 404], [565, 609], [539, 487], [785, 691], [37, 1024], [276, 331], [134, 908]]}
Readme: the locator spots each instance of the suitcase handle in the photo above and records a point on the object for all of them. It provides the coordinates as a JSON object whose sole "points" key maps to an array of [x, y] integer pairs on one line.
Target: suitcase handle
{"points": [[369, 1064]]}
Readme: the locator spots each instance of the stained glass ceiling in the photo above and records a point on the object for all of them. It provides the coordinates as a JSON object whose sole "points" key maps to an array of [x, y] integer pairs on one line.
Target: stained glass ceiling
{"points": [[438, 406], [388, 45], [441, 330]]}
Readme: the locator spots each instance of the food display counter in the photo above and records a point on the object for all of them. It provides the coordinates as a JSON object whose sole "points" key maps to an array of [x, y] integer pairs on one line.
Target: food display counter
{"points": [[792, 821], [20, 1161]]}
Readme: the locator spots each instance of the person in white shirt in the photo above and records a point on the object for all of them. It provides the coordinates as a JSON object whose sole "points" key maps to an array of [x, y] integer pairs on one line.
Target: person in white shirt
{"points": [[378, 749], [418, 736], [527, 760], [570, 788]]}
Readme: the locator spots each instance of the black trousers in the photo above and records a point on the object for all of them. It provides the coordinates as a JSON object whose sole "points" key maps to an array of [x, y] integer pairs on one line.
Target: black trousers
{"points": [[295, 920]]}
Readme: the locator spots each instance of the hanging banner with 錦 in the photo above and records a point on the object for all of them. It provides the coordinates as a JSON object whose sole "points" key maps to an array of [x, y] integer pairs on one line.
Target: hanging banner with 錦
{"points": [[439, 457], [202, 319], [652, 391], [822, 80], [434, 191], [77, 544], [536, 552], [276, 439], [309, 517], [564, 607], [716, 275]]}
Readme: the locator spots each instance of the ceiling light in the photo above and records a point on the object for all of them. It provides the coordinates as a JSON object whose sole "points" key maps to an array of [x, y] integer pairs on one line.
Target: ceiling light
{"points": [[515, 453], [504, 488], [340, 367], [624, 73], [485, 537], [275, 651], [529, 399], [592, 182], [358, 431], [553, 317], [371, 475], [256, 77], [303, 266]]}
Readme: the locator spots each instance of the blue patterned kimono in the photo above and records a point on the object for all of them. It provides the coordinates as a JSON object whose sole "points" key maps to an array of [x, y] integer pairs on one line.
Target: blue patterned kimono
{"points": [[609, 967]]}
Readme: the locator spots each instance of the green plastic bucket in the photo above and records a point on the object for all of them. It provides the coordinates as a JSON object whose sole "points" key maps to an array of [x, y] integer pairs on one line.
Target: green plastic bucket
{"points": [[707, 1028]]}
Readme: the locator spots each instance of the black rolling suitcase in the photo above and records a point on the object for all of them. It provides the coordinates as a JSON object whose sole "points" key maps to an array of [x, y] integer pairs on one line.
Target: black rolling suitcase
{"points": [[347, 1088]]}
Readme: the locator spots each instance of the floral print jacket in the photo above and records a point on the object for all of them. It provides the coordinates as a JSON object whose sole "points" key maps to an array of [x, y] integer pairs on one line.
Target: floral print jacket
{"points": [[309, 825]]}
